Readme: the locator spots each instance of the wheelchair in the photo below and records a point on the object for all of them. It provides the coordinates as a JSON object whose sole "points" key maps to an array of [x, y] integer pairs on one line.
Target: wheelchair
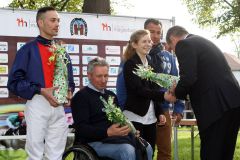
{"points": [[82, 152]]}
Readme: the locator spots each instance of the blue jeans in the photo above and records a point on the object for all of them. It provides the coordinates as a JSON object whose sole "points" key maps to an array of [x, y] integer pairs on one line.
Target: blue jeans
{"points": [[118, 151]]}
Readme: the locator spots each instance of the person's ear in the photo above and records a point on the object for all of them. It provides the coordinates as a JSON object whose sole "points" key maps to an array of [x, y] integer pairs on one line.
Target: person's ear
{"points": [[134, 45], [172, 39], [89, 75], [40, 22]]}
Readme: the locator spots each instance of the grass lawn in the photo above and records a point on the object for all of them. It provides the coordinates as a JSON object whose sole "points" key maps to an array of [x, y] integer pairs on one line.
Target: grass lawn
{"points": [[184, 145], [184, 148]]}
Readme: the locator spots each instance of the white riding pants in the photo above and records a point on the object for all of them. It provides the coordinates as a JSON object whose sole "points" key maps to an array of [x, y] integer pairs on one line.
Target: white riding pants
{"points": [[46, 129]]}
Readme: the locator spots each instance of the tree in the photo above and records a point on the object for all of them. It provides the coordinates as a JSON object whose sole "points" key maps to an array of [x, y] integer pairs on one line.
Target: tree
{"points": [[236, 40], [96, 6], [225, 14], [60, 5], [86, 6]]}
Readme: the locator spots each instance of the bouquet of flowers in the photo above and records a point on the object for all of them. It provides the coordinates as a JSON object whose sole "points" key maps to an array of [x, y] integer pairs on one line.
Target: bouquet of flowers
{"points": [[60, 73], [163, 80], [115, 115]]}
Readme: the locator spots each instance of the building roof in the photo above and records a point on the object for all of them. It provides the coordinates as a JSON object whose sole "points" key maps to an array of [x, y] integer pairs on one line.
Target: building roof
{"points": [[233, 61]]}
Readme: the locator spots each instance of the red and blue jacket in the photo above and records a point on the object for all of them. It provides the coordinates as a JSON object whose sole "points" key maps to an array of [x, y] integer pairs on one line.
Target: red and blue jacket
{"points": [[28, 75]]}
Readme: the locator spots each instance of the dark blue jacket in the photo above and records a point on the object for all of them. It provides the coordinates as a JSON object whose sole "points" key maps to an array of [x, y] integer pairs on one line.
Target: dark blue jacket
{"points": [[26, 77], [121, 88]]}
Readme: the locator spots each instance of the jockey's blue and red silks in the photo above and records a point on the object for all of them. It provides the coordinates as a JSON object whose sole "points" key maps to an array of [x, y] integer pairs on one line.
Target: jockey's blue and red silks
{"points": [[26, 77]]}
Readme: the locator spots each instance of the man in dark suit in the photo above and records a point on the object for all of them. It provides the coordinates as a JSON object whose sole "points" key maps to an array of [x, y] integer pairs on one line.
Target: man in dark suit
{"points": [[214, 92]]}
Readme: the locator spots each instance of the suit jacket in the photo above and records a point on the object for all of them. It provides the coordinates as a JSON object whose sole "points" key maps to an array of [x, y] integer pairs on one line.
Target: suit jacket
{"points": [[140, 92], [207, 78]]}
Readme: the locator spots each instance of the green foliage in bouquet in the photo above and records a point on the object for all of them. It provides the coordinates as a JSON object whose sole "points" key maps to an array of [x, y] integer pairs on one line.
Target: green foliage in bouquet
{"points": [[60, 73], [115, 115], [163, 80]]}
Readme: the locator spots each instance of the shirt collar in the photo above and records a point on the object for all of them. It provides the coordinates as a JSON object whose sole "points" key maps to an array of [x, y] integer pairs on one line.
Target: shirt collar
{"points": [[44, 41], [186, 36], [95, 89]]}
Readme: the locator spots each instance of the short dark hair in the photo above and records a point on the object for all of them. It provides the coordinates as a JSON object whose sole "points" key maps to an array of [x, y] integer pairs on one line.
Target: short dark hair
{"points": [[152, 20], [176, 31], [43, 10]]}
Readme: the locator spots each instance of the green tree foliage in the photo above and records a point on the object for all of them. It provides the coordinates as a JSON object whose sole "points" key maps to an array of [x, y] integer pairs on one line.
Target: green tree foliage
{"points": [[225, 14], [60, 5], [71, 5], [236, 40]]}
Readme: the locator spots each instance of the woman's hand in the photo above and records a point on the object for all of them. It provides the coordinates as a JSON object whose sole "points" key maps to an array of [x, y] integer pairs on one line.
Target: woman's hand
{"points": [[162, 120]]}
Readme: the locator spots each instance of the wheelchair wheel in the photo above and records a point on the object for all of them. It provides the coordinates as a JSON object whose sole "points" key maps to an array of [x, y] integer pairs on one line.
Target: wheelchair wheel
{"points": [[80, 152]]}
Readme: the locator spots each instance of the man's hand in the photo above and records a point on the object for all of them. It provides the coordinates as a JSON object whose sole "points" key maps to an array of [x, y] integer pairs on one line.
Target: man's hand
{"points": [[117, 130], [69, 97], [177, 117], [48, 94], [168, 96]]}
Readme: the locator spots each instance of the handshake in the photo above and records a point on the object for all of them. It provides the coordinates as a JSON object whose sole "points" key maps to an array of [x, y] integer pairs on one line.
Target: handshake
{"points": [[169, 95]]}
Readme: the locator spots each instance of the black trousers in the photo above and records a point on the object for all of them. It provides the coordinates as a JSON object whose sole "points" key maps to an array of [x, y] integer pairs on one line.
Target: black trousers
{"points": [[148, 132], [219, 140]]}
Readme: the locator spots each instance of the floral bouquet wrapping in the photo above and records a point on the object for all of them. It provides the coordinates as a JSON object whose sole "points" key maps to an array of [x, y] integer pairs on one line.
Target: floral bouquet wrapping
{"points": [[60, 73], [163, 80], [115, 115]]}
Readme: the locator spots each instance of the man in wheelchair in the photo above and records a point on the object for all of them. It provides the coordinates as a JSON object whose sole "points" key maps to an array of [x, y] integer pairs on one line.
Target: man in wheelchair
{"points": [[90, 121]]}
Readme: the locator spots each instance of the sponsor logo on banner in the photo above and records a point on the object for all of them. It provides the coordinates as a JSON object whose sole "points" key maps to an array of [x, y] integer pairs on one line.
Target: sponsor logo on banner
{"points": [[113, 71], [116, 28], [112, 50], [20, 44], [84, 70], [74, 59], [3, 69], [112, 81], [3, 81], [85, 81], [113, 60], [76, 81], [3, 58], [71, 48], [3, 46], [75, 70], [4, 93], [22, 22], [91, 49], [86, 59], [78, 26]]}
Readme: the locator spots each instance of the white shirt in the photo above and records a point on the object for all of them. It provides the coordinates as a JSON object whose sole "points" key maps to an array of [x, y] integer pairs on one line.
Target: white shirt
{"points": [[148, 118]]}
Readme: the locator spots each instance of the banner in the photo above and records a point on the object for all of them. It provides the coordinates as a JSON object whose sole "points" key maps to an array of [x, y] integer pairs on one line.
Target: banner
{"points": [[75, 25]]}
